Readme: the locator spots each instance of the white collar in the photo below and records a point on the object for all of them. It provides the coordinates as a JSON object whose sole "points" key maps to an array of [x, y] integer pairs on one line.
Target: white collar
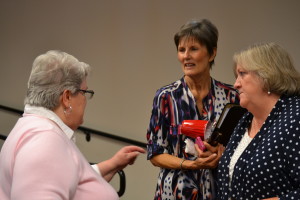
{"points": [[44, 112]]}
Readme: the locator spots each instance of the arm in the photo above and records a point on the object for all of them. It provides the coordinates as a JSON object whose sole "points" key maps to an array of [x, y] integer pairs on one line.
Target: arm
{"points": [[125, 156], [291, 166], [163, 138], [206, 160]]}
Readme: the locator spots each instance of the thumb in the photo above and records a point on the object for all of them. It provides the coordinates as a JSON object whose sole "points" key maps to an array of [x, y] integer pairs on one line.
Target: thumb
{"points": [[132, 157]]}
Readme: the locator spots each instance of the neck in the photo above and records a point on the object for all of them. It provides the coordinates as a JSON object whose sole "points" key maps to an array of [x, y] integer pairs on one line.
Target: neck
{"points": [[199, 88], [254, 127], [261, 112], [264, 106], [198, 82], [59, 111]]}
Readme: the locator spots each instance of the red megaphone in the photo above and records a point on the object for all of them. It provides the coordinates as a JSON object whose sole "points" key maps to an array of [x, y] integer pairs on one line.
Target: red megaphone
{"points": [[194, 128]]}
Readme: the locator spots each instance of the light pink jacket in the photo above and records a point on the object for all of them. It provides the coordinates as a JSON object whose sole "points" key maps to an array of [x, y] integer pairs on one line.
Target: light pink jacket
{"points": [[40, 161]]}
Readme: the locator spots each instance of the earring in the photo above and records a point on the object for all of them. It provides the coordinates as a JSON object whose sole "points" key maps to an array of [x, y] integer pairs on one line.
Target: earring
{"points": [[68, 110], [269, 92]]}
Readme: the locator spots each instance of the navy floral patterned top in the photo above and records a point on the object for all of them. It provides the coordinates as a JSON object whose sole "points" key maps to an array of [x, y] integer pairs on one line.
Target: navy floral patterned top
{"points": [[171, 105], [270, 164]]}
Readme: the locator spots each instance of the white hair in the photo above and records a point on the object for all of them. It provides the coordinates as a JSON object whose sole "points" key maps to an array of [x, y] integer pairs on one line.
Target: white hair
{"points": [[51, 74]]}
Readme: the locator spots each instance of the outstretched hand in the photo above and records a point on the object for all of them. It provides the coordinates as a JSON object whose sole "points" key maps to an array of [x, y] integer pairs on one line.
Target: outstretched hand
{"points": [[126, 156]]}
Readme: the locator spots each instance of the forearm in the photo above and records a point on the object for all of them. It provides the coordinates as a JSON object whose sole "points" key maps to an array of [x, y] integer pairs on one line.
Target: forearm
{"points": [[172, 162], [125, 156], [107, 169], [207, 160]]}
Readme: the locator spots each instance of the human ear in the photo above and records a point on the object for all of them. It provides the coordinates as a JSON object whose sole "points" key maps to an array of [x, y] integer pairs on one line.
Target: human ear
{"points": [[213, 55], [66, 98]]}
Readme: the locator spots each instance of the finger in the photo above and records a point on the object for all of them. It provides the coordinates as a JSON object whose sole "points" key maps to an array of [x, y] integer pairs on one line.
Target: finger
{"points": [[202, 154], [133, 155], [211, 148], [132, 162], [205, 154], [134, 148], [198, 149], [221, 149], [139, 149], [213, 161], [210, 158]]}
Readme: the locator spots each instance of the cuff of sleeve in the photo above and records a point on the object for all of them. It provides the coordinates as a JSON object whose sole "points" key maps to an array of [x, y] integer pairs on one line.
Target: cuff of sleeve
{"points": [[96, 168]]}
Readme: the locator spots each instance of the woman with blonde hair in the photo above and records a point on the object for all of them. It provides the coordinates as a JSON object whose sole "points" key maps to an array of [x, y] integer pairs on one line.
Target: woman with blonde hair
{"points": [[262, 158]]}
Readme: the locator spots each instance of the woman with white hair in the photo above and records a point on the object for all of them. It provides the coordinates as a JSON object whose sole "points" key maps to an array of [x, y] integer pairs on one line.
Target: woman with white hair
{"points": [[39, 159]]}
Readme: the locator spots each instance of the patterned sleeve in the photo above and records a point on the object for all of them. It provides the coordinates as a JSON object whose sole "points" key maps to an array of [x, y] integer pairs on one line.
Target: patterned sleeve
{"points": [[158, 129]]}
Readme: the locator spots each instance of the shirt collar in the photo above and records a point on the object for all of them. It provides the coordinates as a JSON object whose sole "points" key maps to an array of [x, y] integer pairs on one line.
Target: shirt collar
{"points": [[44, 112]]}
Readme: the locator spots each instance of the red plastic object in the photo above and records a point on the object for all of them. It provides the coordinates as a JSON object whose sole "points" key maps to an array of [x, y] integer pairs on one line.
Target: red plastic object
{"points": [[194, 128]]}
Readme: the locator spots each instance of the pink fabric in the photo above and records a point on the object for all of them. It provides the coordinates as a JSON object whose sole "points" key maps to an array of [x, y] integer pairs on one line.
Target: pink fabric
{"points": [[38, 161]]}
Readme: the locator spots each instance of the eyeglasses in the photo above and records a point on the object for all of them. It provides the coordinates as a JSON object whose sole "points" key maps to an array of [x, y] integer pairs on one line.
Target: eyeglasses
{"points": [[87, 93]]}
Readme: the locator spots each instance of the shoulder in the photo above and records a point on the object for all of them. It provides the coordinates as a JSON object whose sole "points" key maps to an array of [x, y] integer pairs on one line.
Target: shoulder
{"points": [[38, 129], [224, 86], [41, 135], [170, 88], [290, 106], [225, 91], [291, 102]]}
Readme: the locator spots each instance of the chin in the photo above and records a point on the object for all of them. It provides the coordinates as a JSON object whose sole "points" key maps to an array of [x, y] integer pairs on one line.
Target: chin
{"points": [[75, 126], [243, 104], [190, 74]]}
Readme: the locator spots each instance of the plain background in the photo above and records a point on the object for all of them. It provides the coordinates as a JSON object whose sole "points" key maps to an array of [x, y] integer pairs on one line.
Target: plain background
{"points": [[129, 44]]}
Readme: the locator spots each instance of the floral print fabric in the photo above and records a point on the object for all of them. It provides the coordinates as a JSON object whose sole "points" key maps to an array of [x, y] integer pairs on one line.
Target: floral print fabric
{"points": [[171, 105]]}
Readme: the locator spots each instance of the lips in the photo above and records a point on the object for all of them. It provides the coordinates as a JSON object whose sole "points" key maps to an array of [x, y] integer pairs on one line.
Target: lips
{"points": [[189, 64]]}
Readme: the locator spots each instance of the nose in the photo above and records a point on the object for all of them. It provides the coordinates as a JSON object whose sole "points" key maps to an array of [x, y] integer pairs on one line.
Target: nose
{"points": [[237, 83], [186, 54]]}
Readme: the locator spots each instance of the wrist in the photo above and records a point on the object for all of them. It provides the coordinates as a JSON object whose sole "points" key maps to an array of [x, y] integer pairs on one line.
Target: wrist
{"points": [[187, 165], [181, 164]]}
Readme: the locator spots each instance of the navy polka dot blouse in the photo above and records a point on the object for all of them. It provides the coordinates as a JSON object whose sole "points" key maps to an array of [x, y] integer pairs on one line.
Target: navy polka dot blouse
{"points": [[270, 165]]}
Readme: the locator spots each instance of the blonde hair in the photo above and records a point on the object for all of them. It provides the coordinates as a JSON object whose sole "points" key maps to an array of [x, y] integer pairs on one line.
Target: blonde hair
{"points": [[273, 65]]}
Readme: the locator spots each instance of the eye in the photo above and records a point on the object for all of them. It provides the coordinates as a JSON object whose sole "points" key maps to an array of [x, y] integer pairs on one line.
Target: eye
{"points": [[241, 73], [194, 48], [181, 49]]}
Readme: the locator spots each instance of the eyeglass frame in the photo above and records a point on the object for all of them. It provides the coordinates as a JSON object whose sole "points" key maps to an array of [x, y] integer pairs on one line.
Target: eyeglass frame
{"points": [[91, 92]]}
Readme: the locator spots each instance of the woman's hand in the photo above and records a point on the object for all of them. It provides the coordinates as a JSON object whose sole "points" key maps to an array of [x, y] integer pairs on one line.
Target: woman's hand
{"points": [[125, 156], [206, 160], [210, 158]]}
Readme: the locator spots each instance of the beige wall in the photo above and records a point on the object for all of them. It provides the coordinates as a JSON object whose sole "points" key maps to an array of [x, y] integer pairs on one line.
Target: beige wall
{"points": [[129, 44]]}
